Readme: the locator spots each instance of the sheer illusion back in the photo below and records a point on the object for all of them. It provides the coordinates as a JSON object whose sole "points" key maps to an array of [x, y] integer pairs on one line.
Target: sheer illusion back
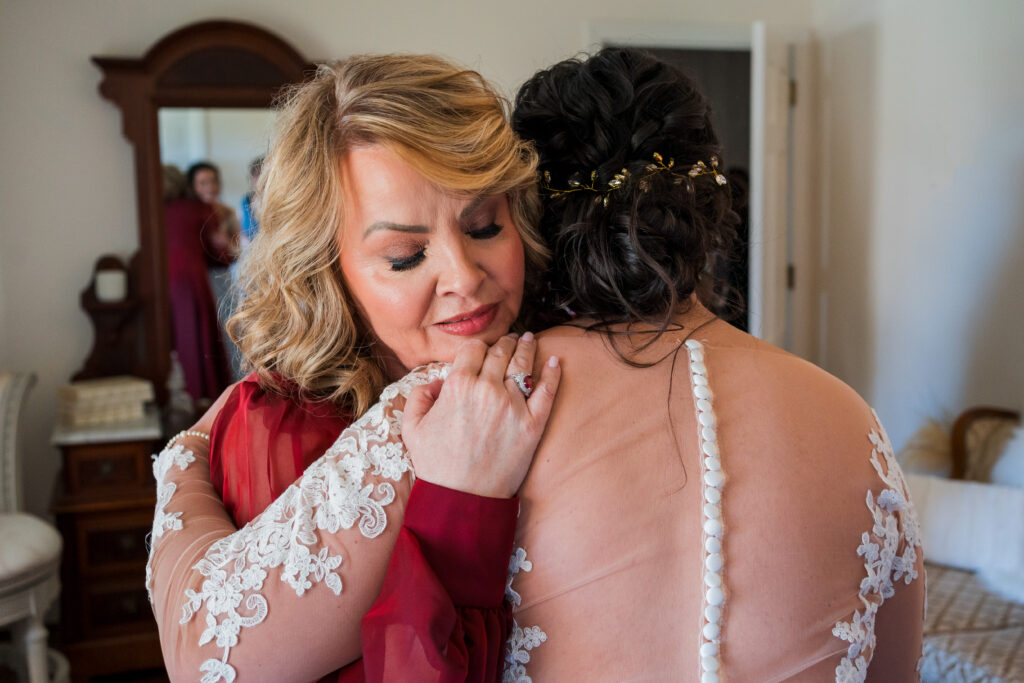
{"points": [[740, 517]]}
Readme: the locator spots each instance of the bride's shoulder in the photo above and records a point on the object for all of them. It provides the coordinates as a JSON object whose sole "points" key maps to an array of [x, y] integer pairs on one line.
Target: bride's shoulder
{"points": [[775, 386], [773, 368]]}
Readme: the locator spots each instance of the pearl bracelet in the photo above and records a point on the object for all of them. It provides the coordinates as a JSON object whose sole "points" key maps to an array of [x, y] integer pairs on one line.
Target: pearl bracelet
{"points": [[186, 432]]}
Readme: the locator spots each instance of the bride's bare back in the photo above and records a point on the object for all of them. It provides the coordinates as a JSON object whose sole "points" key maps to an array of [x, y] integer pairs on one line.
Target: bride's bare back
{"points": [[613, 526]]}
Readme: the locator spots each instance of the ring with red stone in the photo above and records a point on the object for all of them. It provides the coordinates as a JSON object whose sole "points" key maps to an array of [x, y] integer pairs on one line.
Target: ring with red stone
{"points": [[524, 381]]}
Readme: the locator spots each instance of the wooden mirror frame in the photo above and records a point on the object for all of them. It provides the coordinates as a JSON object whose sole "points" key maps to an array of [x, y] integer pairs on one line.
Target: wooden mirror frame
{"points": [[208, 64]]}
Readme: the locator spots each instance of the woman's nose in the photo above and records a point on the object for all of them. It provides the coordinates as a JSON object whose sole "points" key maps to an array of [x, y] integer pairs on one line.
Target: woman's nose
{"points": [[461, 273]]}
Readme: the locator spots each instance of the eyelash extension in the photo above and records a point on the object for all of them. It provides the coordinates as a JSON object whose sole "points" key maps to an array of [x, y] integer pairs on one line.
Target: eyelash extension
{"points": [[486, 232], [407, 263], [410, 262]]}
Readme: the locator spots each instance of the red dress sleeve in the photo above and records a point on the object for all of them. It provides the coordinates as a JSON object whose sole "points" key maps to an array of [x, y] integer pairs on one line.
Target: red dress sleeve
{"points": [[441, 615]]}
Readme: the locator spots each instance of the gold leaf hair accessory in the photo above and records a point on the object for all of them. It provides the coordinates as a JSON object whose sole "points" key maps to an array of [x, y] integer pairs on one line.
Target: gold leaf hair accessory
{"points": [[624, 177]]}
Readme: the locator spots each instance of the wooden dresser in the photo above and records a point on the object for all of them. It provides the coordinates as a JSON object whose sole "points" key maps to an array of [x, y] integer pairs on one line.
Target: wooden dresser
{"points": [[104, 508]]}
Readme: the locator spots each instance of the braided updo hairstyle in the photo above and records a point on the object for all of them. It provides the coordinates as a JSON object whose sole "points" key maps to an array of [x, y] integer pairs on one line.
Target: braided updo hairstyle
{"points": [[638, 257]]}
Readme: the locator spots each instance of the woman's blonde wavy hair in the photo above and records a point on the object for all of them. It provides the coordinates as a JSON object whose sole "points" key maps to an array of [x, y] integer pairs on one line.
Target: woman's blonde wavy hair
{"points": [[295, 323]]}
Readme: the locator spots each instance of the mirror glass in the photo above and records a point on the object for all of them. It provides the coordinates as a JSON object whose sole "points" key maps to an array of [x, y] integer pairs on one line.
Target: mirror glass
{"points": [[229, 138], [207, 232]]}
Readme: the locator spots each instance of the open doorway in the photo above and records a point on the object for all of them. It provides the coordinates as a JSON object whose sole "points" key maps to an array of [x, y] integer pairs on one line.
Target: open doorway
{"points": [[723, 75], [746, 72]]}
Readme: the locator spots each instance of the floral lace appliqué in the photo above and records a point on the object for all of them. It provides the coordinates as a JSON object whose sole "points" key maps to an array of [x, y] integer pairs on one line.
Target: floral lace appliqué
{"points": [[178, 456], [889, 550], [522, 640], [329, 496], [164, 521]]}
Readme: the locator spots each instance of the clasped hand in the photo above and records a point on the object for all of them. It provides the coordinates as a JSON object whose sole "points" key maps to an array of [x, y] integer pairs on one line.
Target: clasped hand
{"points": [[476, 431]]}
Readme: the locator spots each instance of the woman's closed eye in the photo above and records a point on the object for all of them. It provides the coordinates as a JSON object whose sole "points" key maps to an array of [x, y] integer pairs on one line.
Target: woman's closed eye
{"points": [[401, 263], [486, 232], [410, 261]]}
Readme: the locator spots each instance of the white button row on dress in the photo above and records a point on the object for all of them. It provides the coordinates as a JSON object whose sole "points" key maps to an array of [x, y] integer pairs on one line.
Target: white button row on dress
{"points": [[713, 480]]}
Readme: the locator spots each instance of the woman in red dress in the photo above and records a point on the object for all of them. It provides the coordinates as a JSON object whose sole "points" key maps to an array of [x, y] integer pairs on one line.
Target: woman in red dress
{"points": [[396, 230], [193, 246]]}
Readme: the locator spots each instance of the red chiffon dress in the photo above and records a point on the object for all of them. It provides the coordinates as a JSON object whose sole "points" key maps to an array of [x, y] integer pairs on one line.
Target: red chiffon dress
{"points": [[440, 614], [197, 336]]}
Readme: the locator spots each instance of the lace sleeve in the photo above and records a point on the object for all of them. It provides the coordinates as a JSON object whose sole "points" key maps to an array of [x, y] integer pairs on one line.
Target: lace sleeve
{"points": [[282, 597], [885, 636]]}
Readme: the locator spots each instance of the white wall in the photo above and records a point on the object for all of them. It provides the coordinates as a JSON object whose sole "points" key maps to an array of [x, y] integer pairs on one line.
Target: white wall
{"points": [[921, 164], [923, 169], [66, 184]]}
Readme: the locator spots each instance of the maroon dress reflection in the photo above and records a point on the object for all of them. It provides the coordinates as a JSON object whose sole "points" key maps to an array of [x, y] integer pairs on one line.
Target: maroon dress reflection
{"points": [[192, 246]]}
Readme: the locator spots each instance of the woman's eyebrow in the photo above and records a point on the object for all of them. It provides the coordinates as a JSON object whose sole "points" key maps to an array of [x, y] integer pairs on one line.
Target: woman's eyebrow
{"points": [[422, 229], [398, 227]]}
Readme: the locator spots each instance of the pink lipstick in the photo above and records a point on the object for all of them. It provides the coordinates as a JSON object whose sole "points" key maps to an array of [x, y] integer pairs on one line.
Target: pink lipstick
{"points": [[471, 322]]}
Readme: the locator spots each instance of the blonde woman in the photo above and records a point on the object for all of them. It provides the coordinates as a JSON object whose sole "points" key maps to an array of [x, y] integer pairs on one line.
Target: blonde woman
{"points": [[396, 230]]}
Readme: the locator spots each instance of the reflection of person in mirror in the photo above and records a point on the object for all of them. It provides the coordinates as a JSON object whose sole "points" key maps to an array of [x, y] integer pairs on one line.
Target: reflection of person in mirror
{"points": [[204, 183], [191, 248], [250, 204]]}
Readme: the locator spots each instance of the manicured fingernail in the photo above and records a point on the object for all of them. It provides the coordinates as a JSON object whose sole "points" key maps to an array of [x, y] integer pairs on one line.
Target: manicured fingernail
{"points": [[527, 336], [553, 362]]}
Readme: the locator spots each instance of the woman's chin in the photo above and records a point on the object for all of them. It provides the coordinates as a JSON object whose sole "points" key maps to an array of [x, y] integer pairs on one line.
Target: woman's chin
{"points": [[450, 350]]}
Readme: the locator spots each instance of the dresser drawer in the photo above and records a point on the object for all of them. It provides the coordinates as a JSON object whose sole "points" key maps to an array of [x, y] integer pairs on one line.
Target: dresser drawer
{"points": [[113, 542], [116, 606], [108, 467]]}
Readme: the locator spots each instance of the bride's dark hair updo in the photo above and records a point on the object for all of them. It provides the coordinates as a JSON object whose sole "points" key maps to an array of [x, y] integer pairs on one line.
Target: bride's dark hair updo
{"points": [[641, 254]]}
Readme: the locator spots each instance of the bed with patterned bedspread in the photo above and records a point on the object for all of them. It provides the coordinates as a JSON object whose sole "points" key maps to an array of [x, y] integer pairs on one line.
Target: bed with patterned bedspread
{"points": [[971, 635]]}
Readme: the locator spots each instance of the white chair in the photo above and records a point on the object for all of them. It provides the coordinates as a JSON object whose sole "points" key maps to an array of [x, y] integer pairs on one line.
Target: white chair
{"points": [[29, 549]]}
